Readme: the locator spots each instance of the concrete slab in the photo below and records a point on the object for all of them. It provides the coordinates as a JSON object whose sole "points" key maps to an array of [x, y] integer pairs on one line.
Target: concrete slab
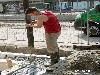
{"points": [[82, 47], [14, 33]]}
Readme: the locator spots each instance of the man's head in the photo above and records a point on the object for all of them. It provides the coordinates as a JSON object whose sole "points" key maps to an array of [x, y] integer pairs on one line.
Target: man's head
{"points": [[97, 7], [32, 11]]}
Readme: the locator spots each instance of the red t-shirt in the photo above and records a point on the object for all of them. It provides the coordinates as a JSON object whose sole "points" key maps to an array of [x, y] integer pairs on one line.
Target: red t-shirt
{"points": [[52, 24]]}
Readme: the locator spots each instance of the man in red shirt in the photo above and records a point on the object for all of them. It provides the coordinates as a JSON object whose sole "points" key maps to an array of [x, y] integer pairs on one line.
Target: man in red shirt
{"points": [[52, 30]]}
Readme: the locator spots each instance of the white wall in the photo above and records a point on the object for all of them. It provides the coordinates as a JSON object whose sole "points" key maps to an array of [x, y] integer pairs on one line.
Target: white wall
{"points": [[62, 5], [81, 5], [96, 2], [1, 8]]}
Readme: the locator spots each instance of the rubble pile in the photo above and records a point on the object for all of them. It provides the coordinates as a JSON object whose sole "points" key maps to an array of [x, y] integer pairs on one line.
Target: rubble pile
{"points": [[86, 61], [79, 63]]}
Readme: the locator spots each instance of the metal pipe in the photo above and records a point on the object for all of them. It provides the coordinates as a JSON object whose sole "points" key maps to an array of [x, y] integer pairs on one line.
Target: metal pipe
{"points": [[59, 6], [77, 5], [11, 73], [87, 22]]}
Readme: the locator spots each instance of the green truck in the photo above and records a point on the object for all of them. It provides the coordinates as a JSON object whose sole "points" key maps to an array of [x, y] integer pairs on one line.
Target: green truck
{"points": [[82, 18]]}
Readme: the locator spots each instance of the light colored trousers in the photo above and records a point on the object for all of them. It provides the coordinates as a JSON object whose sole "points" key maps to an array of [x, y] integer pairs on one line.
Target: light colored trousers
{"points": [[51, 41]]}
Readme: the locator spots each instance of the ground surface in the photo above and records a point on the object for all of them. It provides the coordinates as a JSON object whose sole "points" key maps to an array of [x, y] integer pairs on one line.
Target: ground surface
{"points": [[13, 35]]}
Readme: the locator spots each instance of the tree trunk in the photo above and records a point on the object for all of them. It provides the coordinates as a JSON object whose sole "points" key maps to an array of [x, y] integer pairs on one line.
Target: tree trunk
{"points": [[28, 21], [91, 4]]}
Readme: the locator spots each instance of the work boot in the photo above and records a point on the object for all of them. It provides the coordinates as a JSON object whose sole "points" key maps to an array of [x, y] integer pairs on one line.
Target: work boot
{"points": [[54, 58]]}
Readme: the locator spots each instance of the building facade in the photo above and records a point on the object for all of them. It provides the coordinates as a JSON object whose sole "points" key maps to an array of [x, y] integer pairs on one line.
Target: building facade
{"points": [[66, 5], [56, 5]]}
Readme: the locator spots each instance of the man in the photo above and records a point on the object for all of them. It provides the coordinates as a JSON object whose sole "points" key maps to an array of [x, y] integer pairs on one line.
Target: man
{"points": [[52, 30]]}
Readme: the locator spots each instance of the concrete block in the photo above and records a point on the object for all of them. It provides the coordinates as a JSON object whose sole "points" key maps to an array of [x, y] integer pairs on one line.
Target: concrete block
{"points": [[82, 47], [96, 46]]}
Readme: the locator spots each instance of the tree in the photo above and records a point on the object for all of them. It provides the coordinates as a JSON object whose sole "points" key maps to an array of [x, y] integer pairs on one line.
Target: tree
{"points": [[28, 20]]}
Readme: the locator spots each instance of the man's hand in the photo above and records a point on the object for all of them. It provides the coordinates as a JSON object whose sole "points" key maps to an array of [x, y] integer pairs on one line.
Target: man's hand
{"points": [[29, 25], [33, 22]]}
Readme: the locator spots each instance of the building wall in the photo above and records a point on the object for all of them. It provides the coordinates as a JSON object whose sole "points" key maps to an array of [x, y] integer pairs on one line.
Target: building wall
{"points": [[75, 6]]}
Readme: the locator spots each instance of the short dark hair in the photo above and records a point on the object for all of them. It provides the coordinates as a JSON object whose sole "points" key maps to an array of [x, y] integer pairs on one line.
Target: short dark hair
{"points": [[31, 9]]}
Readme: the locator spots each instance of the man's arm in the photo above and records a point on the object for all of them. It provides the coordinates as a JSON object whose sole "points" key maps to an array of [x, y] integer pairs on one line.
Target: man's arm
{"points": [[39, 22]]}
